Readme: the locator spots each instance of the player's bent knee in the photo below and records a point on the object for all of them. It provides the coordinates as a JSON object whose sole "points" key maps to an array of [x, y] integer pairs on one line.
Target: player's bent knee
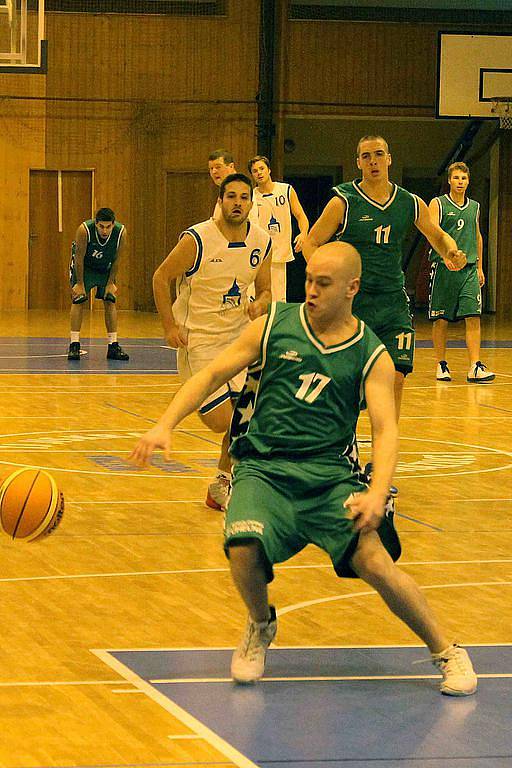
{"points": [[245, 553], [371, 561]]}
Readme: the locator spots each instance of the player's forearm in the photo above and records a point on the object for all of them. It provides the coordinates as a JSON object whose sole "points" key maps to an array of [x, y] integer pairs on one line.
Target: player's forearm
{"points": [[79, 265], [384, 457], [263, 299], [445, 244], [480, 251], [113, 272], [303, 224], [162, 297], [309, 246]]}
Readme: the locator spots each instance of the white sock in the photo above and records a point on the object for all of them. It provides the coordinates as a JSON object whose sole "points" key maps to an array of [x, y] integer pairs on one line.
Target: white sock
{"points": [[74, 336], [112, 338]]}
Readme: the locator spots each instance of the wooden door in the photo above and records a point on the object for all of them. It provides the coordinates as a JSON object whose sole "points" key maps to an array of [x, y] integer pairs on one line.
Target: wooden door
{"points": [[54, 218], [190, 199]]}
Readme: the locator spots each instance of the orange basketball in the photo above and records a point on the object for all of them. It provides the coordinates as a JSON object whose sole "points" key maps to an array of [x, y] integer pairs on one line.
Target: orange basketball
{"points": [[31, 505]]}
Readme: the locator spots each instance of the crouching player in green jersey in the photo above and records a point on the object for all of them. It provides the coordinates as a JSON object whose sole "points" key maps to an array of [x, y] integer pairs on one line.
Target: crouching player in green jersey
{"points": [[296, 474]]}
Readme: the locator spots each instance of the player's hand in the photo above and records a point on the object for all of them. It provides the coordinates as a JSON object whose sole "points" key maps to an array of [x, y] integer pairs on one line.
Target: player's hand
{"points": [[366, 510], [481, 278], [157, 437], [256, 309], [78, 289], [297, 243], [177, 337], [111, 288], [455, 260]]}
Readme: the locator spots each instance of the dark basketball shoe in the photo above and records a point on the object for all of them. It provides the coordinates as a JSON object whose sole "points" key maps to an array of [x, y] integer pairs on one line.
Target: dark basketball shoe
{"points": [[116, 352], [74, 351]]}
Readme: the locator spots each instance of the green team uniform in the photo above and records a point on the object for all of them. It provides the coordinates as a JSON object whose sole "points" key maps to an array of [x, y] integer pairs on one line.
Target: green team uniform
{"points": [[455, 295], [378, 231], [98, 259], [293, 442]]}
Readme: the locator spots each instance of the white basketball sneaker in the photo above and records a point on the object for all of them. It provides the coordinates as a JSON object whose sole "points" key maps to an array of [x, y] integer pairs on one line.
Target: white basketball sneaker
{"points": [[218, 493], [443, 372], [248, 661], [459, 677], [480, 374]]}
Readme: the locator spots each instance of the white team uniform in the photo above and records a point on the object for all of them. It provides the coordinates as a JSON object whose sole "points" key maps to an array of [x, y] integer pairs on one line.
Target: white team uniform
{"points": [[211, 303], [275, 216]]}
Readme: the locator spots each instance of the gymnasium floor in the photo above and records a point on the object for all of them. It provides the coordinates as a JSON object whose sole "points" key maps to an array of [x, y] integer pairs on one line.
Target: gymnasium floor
{"points": [[116, 630]]}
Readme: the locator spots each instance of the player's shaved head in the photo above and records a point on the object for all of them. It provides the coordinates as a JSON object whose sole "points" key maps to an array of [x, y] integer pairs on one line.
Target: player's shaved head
{"points": [[337, 258]]}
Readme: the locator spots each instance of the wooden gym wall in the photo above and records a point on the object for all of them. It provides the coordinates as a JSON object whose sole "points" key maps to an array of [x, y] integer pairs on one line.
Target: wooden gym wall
{"points": [[157, 79]]}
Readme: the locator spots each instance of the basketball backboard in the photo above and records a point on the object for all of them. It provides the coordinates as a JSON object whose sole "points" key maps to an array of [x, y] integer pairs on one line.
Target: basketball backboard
{"points": [[472, 70], [22, 43]]}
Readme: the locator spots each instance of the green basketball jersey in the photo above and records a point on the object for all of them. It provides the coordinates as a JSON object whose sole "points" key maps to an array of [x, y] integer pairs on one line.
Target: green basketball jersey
{"points": [[99, 255], [302, 399], [461, 222], [378, 232]]}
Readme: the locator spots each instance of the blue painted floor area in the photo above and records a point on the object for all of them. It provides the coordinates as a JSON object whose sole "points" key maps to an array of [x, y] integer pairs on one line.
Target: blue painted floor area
{"points": [[50, 355], [316, 723], [461, 344]]}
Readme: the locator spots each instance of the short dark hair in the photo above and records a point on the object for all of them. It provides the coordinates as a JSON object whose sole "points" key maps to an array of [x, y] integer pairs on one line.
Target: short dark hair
{"points": [[234, 177], [105, 214], [457, 167], [377, 137], [257, 159], [224, 153]]}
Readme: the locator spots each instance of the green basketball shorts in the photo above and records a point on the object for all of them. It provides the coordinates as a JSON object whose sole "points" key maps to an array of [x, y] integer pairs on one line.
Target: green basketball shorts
{"points": [[453, 295], [286, 505], [389, 316], [92, 279]]}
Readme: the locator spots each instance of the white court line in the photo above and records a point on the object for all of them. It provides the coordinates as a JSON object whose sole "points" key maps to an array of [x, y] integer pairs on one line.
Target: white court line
{"points": [[451, 385], [372, 593], [141, 475], [144, 474], [179, 451], [56, 683], [452, 418], [319, 678], [109, 503], [200, 571], [176, 711], [49, 449]]}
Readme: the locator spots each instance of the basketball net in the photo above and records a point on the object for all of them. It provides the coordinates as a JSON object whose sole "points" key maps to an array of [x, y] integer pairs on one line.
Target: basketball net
{"points": [[502, 109]]}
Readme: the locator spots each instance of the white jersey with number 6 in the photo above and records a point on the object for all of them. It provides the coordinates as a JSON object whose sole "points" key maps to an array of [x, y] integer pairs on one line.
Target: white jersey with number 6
{"points": [[212, 295]]}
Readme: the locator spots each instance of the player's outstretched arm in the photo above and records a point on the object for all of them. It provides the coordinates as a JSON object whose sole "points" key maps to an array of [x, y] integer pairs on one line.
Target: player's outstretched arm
{"points": [[244, 351], [326, 226], [367, 509], [440, 241], [179, 261]]}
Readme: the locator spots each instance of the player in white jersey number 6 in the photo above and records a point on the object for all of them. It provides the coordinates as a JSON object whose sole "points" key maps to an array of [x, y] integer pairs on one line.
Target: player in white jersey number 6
{"points": [[213, 264]]}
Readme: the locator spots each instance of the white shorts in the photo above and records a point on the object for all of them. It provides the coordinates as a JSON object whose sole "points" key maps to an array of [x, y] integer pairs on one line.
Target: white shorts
{"points": [[278, 278], [196, 356]]}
